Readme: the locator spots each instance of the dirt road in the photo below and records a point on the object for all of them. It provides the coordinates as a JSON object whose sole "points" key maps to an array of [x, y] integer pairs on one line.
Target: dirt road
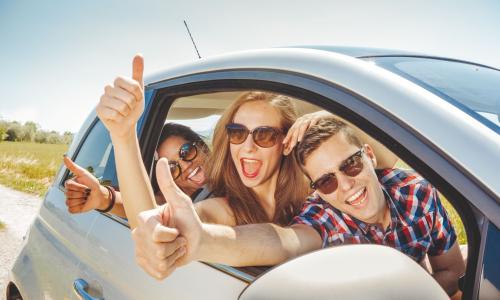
{"points": [[17, 210]]}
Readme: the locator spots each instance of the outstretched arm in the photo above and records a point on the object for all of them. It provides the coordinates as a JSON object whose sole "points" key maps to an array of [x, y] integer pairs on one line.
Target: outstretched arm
{"points": [[119, 109], [85, 193], [447, 268], [255, 244], [158, 245]]}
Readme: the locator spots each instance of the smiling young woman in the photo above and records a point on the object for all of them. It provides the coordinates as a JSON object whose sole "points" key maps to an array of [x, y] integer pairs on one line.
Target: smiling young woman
{"points": [[249, 168]]}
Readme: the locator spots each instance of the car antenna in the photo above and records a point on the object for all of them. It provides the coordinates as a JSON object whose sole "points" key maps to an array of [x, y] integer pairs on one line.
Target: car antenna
{"points": [[192, 40]]}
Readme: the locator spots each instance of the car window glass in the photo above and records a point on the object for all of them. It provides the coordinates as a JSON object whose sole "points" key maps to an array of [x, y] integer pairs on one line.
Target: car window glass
{"points": [[95, 153], [472, 88]]}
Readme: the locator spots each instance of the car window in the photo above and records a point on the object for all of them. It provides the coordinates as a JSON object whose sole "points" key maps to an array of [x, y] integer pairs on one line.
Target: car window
{"points": [[472, 88], [96, 154]]}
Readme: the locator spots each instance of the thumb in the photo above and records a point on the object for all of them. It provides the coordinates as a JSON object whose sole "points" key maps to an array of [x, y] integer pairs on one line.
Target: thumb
{"points": [[138, 68], [74, 168], [174, 196]]}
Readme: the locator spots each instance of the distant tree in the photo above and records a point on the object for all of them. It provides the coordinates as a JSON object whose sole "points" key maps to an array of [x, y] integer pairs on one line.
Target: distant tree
{"points": [[3, 130], [41, 136], [67, 137], [14, 132], [54, 138], [28, 131]]}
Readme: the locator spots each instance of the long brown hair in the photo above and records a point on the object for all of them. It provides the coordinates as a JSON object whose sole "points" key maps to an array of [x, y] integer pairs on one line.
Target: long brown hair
{"points": [[224, 181]]}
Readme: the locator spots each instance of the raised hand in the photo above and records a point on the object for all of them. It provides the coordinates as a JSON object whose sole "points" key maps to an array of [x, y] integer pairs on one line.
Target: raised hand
{"points": [[159, 249], [83, 192], [122, 103], [296, 132]]}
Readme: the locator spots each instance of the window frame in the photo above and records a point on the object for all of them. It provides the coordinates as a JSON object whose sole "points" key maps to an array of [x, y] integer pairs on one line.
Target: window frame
{"points": [[356, 109]]}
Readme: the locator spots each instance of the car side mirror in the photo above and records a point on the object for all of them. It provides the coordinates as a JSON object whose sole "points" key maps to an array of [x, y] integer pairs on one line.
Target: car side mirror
{"points": [[347, 272]]}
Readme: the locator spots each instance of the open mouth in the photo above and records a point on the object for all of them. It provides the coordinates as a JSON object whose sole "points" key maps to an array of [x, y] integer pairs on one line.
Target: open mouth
{"points": [[250, 167], [197, 175], [357, 199]]}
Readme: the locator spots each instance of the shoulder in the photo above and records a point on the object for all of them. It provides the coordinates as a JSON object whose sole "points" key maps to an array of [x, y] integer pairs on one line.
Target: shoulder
{"points": [[394, 177], [408, 189], [215, 210]]}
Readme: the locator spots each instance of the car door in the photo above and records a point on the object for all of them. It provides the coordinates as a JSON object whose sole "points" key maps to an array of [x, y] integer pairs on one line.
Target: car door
{"points": [[48, 263], [110, 271]]}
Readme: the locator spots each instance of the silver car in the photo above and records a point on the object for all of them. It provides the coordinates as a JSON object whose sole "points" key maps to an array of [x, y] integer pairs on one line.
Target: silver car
{"points": [[440, 116]]}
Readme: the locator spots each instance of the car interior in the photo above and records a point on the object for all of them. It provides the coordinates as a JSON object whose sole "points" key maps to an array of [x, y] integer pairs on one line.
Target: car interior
{"points": [[201, 112]]}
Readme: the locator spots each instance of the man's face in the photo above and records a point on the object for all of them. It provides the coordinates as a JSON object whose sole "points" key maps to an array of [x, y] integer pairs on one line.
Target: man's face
{"points": [[360, 196]]}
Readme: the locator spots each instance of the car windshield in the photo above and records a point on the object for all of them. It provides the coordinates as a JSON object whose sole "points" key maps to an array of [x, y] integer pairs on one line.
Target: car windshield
{"points": [[473, 88]]}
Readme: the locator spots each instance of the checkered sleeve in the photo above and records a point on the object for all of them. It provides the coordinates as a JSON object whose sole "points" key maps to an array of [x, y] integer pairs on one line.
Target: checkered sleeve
{"points": [[443, 234], [314, 214]]}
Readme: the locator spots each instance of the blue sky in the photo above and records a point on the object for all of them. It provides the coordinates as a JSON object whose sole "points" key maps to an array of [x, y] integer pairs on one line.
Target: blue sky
{"points": [[56, 56]]}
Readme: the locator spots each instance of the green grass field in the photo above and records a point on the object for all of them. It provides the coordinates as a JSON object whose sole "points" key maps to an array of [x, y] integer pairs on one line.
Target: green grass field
{"points": [[29, 167]]}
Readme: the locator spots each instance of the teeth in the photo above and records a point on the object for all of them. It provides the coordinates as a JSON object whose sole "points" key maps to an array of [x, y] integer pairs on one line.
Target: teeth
{"points": [[250, 161], [356, 196], [193, 173]]}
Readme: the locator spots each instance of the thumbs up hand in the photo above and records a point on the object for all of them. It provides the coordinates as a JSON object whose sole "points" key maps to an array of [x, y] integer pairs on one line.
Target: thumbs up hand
{"points": [[167, 237], [122, 103], [83, 191]]}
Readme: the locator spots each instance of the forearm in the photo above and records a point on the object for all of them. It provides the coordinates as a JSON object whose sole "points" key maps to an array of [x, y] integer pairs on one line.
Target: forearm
{"points": [[252, 245], [448, 280], [118, 208], [136, 191]]}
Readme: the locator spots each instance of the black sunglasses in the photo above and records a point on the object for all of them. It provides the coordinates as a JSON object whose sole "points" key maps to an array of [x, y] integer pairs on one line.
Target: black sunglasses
{"points": [[263, 136], [187, 152], [351, 167]]}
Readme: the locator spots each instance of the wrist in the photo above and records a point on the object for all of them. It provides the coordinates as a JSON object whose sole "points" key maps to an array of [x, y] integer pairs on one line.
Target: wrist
{"points": [[204, 242], [124, 138], [104, 197], [111, 200]]}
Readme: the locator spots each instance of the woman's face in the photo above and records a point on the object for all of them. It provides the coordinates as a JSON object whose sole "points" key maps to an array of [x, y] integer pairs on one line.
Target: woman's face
{"points": [[257, 166], [192, 173]]}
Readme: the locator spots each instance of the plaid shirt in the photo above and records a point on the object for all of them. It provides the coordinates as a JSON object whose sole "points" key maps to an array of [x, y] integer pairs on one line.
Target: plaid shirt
{"points": [[419, 223]]}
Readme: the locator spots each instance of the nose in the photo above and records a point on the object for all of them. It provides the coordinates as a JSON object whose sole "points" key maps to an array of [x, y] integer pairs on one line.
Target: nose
{"points": [[184, 164], [345, 182], [249, 144]]}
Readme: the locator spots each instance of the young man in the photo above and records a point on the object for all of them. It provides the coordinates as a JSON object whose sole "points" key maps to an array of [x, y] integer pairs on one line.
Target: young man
{"points": [[353, 204]]}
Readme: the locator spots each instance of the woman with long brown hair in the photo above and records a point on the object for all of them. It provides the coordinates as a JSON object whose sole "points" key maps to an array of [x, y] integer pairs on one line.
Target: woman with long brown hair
{"points": [[253, 180]]}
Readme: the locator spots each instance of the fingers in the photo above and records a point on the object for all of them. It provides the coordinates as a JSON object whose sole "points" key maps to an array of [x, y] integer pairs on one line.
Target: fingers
{"points": [[76, 195], [160, 268], [127, 99], [138, 69], [164, 234], [72, 185], [130, 86], [121, 106], [297, 131], [170, 190], [107, 113], [165, 250], [74, 168], [158, 248]]}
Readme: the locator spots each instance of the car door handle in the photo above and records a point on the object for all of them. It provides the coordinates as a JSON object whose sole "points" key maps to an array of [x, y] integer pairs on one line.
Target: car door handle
{"points": [[81, 286]]}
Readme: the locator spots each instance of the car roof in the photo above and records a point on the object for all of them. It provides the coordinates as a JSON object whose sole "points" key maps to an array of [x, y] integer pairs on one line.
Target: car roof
{"points": [[357, 52], [367, 52]]}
